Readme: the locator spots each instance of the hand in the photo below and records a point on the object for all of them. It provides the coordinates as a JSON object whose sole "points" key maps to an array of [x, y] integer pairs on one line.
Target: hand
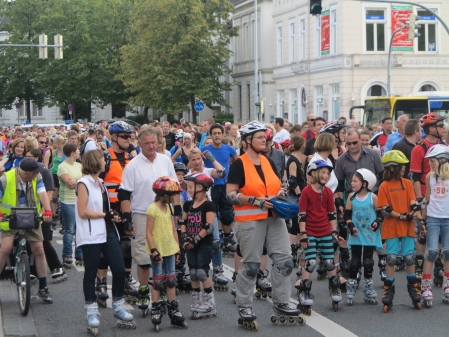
{"points": [[304, 242], [178, 257], [131, 232], [47, 216]]}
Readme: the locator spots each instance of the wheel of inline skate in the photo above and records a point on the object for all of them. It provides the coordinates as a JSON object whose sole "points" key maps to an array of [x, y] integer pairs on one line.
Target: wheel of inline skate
{"points": [[257, 294], [350, 301], [93, 330], [156, 327], [321, 277], [428, 304], [254, 325], [335, 306], [386, 308], [274, 319], [417, 305], [226, 288], [240, 321], [301, 320], [291, 320], [264, 296], [283, 320]]}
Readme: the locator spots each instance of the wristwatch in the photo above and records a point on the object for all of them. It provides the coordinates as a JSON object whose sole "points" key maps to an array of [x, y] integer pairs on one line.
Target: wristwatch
{"points": [[401, 216]]}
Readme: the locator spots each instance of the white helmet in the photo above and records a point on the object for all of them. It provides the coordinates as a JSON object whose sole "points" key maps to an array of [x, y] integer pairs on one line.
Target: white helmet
{"points": [[179, 136], [438, 151], [252, 127], [369, 177]]}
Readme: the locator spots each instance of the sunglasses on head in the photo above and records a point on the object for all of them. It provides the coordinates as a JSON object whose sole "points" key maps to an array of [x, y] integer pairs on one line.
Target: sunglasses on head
{"points": [[124, 136], [355, 142]]}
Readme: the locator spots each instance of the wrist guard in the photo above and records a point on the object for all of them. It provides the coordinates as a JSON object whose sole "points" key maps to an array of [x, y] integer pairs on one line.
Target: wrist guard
{"points": [[127, 221], [339, 203], [177, 210], [351, 227]]}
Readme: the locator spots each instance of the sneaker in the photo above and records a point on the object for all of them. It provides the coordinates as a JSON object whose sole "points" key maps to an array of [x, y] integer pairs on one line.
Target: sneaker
{"points": [[45, 294]]}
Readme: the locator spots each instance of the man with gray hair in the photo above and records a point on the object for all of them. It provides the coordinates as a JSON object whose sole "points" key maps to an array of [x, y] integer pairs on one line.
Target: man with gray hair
{"points": [[397, 135]]}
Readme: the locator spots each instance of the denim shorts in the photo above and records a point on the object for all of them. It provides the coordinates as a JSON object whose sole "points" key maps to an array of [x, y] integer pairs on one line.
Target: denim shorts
{"points": [[167, 265], [407, 246], [200, 257], [435, 227]]}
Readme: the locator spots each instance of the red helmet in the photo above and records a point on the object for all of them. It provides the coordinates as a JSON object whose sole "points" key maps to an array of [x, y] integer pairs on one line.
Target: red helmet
{"points": [[430, 119], [269, 134], [200, 178], [166, 185], [285, 144]]}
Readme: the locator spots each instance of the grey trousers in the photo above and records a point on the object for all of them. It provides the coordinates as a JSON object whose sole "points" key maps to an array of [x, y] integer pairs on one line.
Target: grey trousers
{"points": [[251, 237]]}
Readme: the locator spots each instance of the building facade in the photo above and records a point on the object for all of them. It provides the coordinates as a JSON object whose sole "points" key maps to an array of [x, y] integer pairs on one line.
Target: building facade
{"points": [[325, 64]]}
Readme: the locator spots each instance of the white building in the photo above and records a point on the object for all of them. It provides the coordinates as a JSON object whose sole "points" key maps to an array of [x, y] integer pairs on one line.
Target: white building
{"points": [[326, 64]]}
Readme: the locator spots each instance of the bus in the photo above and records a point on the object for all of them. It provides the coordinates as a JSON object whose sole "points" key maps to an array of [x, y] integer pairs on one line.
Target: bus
{"points": [[438, 101]]}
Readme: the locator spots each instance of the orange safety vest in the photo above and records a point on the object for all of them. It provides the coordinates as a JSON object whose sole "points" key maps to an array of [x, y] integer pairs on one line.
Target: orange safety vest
{"points": [[113, 178], [254, 186]]}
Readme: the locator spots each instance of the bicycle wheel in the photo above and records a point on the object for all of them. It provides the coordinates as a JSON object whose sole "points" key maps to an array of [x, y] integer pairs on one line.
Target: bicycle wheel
{"points": [[23, 283]]}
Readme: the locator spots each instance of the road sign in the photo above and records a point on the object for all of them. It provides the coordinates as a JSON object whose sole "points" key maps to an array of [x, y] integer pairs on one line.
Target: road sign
{"points": [[70, 107], [18, 105], [199, 106]]}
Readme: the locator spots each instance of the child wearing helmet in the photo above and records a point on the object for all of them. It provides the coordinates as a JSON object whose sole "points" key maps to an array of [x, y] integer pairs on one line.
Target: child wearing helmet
{"points": [[396, 199], [437, 194], [197, 229], [163, 247], [317, 229], [363, 223]]}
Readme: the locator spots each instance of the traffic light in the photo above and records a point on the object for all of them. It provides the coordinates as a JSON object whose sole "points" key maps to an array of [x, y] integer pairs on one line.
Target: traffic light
{"points": [[43, 49], [315, 7], [412, 26], [58, 50]]}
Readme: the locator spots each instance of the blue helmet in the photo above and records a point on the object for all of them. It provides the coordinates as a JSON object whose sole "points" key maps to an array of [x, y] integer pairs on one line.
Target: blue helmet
{"points": [[284, 208], [316, 165], [120, 127]]}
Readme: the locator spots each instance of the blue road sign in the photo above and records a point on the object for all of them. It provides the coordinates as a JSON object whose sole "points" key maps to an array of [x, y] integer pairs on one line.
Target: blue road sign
{"points": [[199, 106]]}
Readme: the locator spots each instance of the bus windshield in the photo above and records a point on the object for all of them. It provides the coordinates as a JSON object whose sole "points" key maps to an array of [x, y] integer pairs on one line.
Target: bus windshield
{"points": [[376, 110]]}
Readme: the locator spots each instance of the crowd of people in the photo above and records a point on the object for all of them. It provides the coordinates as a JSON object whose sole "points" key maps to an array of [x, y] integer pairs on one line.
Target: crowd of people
{"points": [[323, 195]]}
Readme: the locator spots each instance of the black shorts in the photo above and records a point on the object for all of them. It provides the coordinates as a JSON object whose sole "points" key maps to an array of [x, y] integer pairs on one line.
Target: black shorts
{"points": [[56, 180], [294, 230]]}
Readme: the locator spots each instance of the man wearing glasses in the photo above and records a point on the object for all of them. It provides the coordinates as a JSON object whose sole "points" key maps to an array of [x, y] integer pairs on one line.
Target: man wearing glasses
{"points": [[42, 144], [309, 134]]}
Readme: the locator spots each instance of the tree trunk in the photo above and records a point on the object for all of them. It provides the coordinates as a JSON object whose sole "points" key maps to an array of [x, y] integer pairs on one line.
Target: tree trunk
{"points": [[73, 112], [29, 109], [145, 112], [89, 111], [192, 105]]}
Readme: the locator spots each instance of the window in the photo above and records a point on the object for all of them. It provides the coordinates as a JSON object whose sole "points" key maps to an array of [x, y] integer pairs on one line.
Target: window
{"points": [[37, 112], [335, 105], [292, 41], [319, 101], [279, 44], [427, 41], [333, 40], [317, 36], [302, 38], [23, 110], [375, 29], [280, 112], [293, 116], [248, 89], [246, 43], [427, 87], [376, 90], [240, 103]]}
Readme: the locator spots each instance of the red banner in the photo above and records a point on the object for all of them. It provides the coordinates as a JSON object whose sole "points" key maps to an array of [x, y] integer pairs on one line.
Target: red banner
{"points": [[399, 17], [325, 33]]}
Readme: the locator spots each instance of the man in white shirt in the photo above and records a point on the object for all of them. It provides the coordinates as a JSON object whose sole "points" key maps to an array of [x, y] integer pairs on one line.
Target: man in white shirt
{"points": [[91, 139], [281, 133], [136, 194]]}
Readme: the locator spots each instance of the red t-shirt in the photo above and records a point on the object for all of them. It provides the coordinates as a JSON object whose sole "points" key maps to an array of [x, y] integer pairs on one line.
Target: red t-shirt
{"points": [[304, 135], [316, 206], [419, 164]]}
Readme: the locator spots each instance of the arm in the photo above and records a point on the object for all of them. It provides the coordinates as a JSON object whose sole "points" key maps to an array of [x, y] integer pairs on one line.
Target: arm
{"points": [[68, 180], [232, 190], [149, 232], [81, 203], [234, 158], [133, 153], [424, 211], [176, 155], [3, 163], [47, 158], [292, 180]]}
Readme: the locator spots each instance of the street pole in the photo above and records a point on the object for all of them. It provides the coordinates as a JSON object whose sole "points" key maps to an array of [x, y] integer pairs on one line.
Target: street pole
{"points": [[389, 58], [256, 65], [414, 4]]}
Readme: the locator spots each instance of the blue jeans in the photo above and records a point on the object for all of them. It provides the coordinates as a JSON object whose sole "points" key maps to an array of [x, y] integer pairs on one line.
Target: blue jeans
{"points": [[435, 227], [167, 264], [68, 218], [216, 255]]}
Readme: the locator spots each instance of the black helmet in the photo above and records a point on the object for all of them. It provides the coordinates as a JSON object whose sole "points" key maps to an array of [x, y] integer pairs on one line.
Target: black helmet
{"points": [[180, 167]]}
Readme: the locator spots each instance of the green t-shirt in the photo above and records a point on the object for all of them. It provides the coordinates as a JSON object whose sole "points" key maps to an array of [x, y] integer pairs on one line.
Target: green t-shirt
{"points": [[66, 194]]}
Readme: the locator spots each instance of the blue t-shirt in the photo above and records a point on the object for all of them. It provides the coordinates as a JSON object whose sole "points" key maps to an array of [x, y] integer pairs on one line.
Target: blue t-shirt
{"points": [[223, 154]]}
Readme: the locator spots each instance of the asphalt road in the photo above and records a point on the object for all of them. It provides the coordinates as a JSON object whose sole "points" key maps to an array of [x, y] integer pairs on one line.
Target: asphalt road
{"points": [[66, 316]]}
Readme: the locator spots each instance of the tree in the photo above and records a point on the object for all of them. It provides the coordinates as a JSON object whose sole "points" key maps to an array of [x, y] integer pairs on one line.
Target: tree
{"points": [[179, 53]]}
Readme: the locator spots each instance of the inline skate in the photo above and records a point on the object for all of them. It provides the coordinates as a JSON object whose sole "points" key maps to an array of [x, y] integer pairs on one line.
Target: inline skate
{"points": [[370, 295], [382, 264], [285, 313], [131, 293], [321, 269], [419, 263], [79, 261], [176, 317], [67, 262], [438, 271], [220, 282], [263, 286], [334, 291], [359, 277], [426, 292], [445, 290], [58, 275], [144, 299], [206, 308], [101, 290], [156, 315], [234, 277], [305, 298], [388, 296], [123, 316], [351, 289], [400, 263], [248, 318], [184, 283], [93, 318], [413, 287], [295, 254], [228, 248]]}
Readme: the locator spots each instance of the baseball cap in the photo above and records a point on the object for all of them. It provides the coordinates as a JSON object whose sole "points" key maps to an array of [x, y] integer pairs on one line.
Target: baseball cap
{"points": [[29, 164]]}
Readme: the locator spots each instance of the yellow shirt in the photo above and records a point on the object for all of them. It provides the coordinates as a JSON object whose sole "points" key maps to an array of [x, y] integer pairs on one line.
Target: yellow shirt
{"points": [[162, 231]]}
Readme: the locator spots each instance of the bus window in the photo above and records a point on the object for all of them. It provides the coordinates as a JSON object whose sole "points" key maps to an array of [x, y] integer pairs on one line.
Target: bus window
{"points": [[411, 108]]}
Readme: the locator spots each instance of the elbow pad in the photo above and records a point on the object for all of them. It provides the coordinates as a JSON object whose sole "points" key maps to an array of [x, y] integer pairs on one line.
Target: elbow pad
{"points": [[124, 195], [341, 186], [302, 217], [234, 200], [177, 210], [208, 227], [348, 214], [386, 210], [414, 177], [221, 173], [339, 203], [380, 215], [331, 216]]}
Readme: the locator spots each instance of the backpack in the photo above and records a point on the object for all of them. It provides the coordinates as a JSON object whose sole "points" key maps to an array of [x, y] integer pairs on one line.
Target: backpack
{"points": [[83, 147]]}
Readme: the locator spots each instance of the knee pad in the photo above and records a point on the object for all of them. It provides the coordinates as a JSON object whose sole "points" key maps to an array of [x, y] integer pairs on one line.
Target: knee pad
{"points": [[330, 265], [368, 264], [216, 246], [431, 255], [422, 240], [237, 251], [145, 266], [158, 282], [264, 251], [355, 265], [446, 255], [193, 276], [201, 274], [54, 200], [252, 268], [126, 248], [170, 281], [409, 259], [391, 259], [227, 218], [286, 267], [310, 265]]}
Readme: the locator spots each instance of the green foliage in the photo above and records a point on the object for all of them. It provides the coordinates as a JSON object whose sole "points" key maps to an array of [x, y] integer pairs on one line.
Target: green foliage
{"points": [[222, 117], [179, 53], [141, 119]]}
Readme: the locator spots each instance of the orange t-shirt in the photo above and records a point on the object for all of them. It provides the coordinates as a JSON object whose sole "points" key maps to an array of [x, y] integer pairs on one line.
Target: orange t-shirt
{"points": [[398, 196]]}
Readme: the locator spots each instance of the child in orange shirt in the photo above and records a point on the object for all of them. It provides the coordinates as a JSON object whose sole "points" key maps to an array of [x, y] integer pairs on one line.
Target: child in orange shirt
{"points": [[396, 198]]}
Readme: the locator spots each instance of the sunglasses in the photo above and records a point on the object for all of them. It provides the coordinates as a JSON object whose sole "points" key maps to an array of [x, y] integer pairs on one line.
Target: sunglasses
{"points": [[312, 120], [440, 125], [124, 136], [352, 143], [43, 143]]}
